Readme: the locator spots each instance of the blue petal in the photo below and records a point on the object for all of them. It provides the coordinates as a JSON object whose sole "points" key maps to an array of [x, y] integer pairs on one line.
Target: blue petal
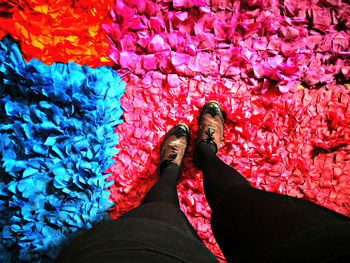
{"points": [[62, 178], [57, 139], [50, 140], [29, 171], [6, 233]]}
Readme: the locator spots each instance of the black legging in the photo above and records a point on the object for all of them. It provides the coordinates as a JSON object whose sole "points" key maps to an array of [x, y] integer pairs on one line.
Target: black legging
{"points": [[162, 203], [244, 219]]}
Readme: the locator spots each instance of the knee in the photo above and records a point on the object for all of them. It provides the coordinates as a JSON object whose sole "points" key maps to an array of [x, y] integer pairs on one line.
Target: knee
{"points": [[234, 196]]}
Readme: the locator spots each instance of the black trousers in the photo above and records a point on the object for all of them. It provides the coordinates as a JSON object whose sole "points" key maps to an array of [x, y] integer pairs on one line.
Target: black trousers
{"points": [[247, 223]]}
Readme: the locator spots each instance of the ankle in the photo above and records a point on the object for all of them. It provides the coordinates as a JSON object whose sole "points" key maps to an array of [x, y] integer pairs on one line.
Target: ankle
{"points": [[203, 153], [168, 167]]}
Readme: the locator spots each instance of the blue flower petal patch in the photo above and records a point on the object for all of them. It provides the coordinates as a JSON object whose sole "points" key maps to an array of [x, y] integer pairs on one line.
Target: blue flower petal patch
{"points": [[56, 140]]}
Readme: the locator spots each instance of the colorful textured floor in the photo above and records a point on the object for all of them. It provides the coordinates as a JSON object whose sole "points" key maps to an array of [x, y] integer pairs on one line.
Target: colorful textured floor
{"points": [[279, 69]]}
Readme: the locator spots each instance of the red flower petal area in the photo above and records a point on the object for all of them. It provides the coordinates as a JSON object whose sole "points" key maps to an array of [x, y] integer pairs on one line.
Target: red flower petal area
{"points": [[297, 144]]}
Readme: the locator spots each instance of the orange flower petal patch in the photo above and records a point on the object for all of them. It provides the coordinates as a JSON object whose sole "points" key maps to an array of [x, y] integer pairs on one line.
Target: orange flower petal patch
{"points": [[59, 31]]}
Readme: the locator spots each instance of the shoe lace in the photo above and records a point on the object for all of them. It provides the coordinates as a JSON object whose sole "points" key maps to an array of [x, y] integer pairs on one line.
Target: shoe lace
{"points": [[173, 152], [210, 134]]}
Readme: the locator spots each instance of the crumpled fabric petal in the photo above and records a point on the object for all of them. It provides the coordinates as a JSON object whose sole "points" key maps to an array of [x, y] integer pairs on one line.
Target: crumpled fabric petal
{"points": [[307, 42], [43, 27], [57, 140]]}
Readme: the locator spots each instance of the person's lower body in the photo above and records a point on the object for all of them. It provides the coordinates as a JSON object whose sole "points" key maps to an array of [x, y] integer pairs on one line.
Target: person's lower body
{"points": [[248, 223], [161, 210], [161, 202], [155, 231]]}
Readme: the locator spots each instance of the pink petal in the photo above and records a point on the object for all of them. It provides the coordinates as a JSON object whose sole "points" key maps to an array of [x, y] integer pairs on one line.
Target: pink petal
{"points": [[125, 59], [275, 61], [340, 43], [191, 49], [113, 31], [284, 87], [289, 32], [149, 62], [156, 24], [176, 39], [313, 40], [178, 3], [179, 59], [173, 80], [259, 70], [246, 53], [220, 30], [232, 71], [207, 41], [144, 41], [260, 44], [288, 48], [205, 9], [322, 18], [156, 44], [128, 43], [151, 8], [182, 16], [274, 45], [135, 23]]}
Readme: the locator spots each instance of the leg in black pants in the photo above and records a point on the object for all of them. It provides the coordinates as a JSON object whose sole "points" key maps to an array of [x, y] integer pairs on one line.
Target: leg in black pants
{"points": [[247, 223], [162, 203]]}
